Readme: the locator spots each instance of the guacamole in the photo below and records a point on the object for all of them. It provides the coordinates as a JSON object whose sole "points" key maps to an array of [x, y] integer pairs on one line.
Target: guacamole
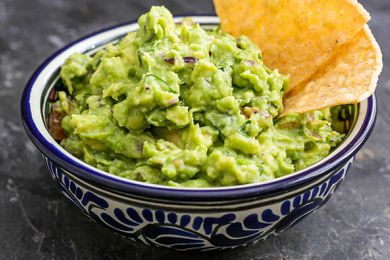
{"points": [[178, 105]]}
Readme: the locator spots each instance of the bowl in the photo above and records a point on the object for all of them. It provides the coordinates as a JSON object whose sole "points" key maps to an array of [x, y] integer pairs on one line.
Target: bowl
{"points": [[183, 218]]}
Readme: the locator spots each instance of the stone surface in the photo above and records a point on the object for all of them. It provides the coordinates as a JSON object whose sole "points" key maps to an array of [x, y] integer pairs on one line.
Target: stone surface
{"points": [[36, 222]]}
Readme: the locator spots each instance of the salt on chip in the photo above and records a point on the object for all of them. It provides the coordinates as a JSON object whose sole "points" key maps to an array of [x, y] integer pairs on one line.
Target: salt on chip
{"points": [[296, 36], [349, 78]]}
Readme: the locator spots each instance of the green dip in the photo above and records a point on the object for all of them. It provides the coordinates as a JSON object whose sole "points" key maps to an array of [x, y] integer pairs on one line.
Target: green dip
{"points": [[178, 105]]}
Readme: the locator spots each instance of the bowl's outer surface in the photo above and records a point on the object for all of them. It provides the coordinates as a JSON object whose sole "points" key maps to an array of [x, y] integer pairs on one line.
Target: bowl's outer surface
{"points": [[183, 219], [194, 226]]}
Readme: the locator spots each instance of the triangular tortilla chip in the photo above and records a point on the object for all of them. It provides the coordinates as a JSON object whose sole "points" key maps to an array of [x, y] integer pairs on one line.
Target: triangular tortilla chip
{"points": [[296, 36], [349, 78]]}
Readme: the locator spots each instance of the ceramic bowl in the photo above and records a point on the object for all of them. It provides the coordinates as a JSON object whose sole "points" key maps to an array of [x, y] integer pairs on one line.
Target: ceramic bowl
{"points": [[178, 218]]}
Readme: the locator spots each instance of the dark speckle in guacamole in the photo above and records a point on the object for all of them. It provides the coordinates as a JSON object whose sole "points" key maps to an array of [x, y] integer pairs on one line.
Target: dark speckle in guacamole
{"points": [[177, 105]]}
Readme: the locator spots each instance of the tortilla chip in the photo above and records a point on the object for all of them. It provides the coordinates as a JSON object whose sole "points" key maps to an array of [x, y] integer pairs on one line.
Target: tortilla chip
{"points": [[296, 36], [349, 78]]}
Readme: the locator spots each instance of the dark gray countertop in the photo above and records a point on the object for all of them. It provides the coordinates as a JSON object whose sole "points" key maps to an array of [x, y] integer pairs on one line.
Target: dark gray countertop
{"points": [[36, 222]]}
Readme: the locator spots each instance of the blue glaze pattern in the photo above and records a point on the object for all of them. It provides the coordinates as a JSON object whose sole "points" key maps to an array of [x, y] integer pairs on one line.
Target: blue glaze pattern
{"points": [[198, 229]]}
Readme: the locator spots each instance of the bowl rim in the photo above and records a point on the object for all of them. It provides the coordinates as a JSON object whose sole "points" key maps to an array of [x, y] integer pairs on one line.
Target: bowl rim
{"points": [[54, 152]]}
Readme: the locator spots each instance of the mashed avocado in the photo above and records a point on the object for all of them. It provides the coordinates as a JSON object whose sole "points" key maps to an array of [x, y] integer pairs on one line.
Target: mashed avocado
{"points": [[178, 105]]}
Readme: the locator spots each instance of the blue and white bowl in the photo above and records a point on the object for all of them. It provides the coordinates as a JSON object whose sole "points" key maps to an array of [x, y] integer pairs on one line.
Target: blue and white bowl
{"points": [[183, 218]]}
